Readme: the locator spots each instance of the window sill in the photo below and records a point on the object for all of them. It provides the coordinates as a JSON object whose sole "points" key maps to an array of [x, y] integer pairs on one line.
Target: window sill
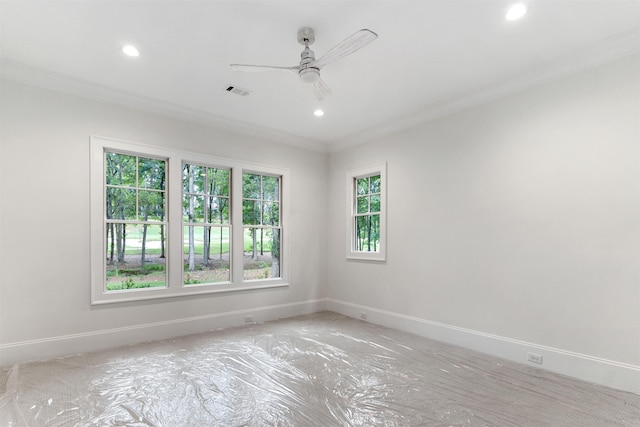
{"points": [[373, 257], [148, 294]]}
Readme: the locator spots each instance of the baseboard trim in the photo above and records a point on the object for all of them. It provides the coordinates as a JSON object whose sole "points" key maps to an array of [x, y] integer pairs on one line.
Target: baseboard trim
{"points": [[601, 371], [58, 346], [618, 375]]}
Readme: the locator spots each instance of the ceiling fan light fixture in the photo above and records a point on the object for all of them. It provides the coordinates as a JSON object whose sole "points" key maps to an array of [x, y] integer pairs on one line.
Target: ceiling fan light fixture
{"points": [[309, 75]]}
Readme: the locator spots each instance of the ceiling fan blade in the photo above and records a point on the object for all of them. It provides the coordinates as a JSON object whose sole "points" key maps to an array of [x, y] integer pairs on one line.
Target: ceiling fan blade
{"points": [[321, 89], [260, 68], [356, 41]]}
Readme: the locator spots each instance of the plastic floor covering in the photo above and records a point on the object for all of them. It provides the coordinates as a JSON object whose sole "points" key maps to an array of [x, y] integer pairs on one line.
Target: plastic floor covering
{"points": [[318, 370]]}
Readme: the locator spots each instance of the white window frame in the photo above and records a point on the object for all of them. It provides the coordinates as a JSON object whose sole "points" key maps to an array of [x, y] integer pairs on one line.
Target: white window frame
{"points": [[352, 175], [174, 258], [261, 226], [206, 224]]}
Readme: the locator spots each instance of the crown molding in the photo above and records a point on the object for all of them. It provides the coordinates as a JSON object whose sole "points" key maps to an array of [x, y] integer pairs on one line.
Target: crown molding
{"points": [[607, 50], [27, 74]]}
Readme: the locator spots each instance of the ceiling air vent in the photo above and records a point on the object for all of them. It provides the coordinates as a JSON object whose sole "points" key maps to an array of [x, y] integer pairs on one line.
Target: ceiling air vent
{"points": [[238, 90]]}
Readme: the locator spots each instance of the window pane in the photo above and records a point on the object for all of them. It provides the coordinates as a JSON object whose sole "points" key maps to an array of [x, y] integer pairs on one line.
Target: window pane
{"points": [[218, 181], [271, 213], [135, 256], [363, 204], [251, 212], [374, 186], [270, 188], [206, 255], [151, 173], [193, 178], [151, 205], [218, 210], [121, 203], [193, 208], [367, 233], [362, 186], [360, 231], [120, 169], [261, 253], [375, 232], [250, 186], [375, 203]]}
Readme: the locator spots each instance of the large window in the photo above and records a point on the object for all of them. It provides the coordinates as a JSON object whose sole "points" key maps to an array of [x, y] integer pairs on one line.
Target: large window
{"points": [[168, 223], [262, 230], [135, 223], [366, 189], [205, 206]]}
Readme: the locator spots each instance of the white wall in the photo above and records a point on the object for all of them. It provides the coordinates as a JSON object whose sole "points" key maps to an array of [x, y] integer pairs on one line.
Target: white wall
{"points": [[512, 227], [44, 228]]}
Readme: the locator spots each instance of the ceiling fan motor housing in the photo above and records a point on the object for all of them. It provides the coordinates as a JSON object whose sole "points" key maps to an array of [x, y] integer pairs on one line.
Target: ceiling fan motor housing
{"points": [[308, 74], [307, 56]]}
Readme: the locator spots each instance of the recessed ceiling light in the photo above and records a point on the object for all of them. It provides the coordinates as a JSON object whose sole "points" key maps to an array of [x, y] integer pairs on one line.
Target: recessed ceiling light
{"points": [[515, 12], [318, 113], [130, 50]]}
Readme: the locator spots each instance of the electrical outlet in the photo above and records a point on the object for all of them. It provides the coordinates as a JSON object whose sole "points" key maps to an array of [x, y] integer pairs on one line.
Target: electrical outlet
{"points": [[363, 316], [248, 319], [534, 358]]}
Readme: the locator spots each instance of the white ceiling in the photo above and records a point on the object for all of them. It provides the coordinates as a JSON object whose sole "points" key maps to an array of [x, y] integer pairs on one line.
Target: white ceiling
{"points": [[431, 57]]}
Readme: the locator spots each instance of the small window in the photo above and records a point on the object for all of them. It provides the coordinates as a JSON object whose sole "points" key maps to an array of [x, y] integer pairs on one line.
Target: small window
{"points": [[367, 213]]}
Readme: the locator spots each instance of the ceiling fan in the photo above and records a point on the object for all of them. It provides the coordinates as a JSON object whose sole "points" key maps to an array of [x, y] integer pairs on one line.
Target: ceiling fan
{"points": [[309, 68]]}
